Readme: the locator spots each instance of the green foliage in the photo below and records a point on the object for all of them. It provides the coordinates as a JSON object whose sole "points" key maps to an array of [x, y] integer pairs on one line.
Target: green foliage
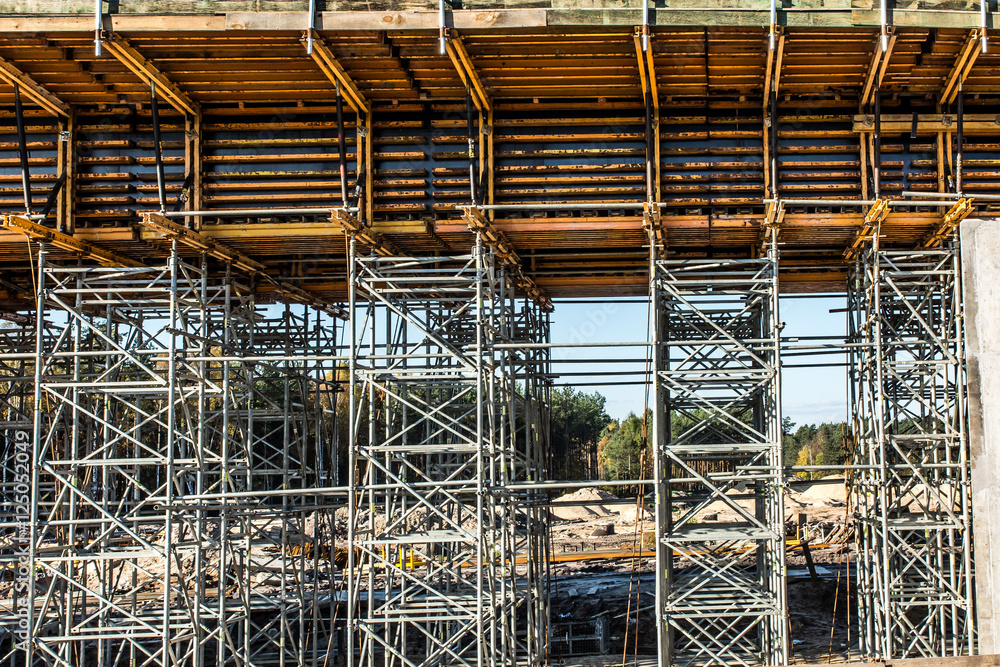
{"points": [[814, 445], [623, 451], [577, 420]]}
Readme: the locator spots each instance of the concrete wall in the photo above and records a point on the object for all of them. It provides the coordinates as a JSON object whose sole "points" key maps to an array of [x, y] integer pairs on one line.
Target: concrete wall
{"points": [[981, 283]]}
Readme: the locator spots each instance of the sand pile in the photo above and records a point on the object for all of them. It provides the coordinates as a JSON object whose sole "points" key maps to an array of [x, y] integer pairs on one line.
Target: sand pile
{"points": [[918, 499], [590, 505], [825, 492], [631, 514]]}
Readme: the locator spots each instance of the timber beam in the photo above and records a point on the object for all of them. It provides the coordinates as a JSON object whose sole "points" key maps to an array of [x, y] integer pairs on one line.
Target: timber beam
{"points": [[651, 100], [33, 90], [869, 228], [967, 56], [902, 124], [467, 71], [324, 57], [121, 49], [496, 239], [192, 239], [955, 215], [33, 230], [769, 108], [877, 68], [369, 237], [807, 14]]}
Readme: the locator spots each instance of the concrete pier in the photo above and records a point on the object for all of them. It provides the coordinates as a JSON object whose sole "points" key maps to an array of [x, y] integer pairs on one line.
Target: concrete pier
{"points": [[981, 284]]}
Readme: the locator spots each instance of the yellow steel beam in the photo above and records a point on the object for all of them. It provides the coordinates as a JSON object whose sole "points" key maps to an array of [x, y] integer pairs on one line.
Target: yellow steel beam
{"points": [[121, 49], [467, 72], [653, 87], [774, 215], [652, 222], [378, 243], [643, 80], [778, 62], [172, 230], [66, 242], [869, 228], [33, 90], [955, 215], [224, 253], [335, 72], [496, 239], [772, 72], [769, 67]]}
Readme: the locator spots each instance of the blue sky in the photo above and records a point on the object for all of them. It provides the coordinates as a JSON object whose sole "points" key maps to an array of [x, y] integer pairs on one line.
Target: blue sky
{"points": [[809, 395]]}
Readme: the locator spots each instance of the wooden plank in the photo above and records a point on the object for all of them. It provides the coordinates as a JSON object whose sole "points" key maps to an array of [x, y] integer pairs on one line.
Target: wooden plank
{"points": [[33, 16], [964, 661]]}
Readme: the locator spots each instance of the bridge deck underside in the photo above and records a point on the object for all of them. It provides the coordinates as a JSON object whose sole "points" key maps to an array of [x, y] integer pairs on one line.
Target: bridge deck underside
{"points": [[566, 126]]}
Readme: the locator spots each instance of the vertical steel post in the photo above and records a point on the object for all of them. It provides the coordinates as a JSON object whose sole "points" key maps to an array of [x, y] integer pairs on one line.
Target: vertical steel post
{"points": [[22, 149], [160, 186]]}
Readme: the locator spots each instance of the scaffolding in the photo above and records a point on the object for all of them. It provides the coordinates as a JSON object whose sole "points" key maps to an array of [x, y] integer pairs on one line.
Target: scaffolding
{"points": [[446, 551], [717, 433], [913, 503], [185, 432], [17, 354]]}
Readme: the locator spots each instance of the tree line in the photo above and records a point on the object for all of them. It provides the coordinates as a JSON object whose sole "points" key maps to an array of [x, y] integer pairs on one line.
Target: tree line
{"points": [[588, 444]]}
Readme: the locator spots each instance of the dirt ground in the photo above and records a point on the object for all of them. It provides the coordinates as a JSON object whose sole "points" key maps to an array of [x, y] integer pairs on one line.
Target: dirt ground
{"points": [[591, 522]]}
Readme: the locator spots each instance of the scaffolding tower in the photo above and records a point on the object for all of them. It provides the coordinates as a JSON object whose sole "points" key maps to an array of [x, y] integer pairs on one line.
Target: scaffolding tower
{"points": [[17, 355], [913, 502], [718, 462], [445, 548], [184, 432]]}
